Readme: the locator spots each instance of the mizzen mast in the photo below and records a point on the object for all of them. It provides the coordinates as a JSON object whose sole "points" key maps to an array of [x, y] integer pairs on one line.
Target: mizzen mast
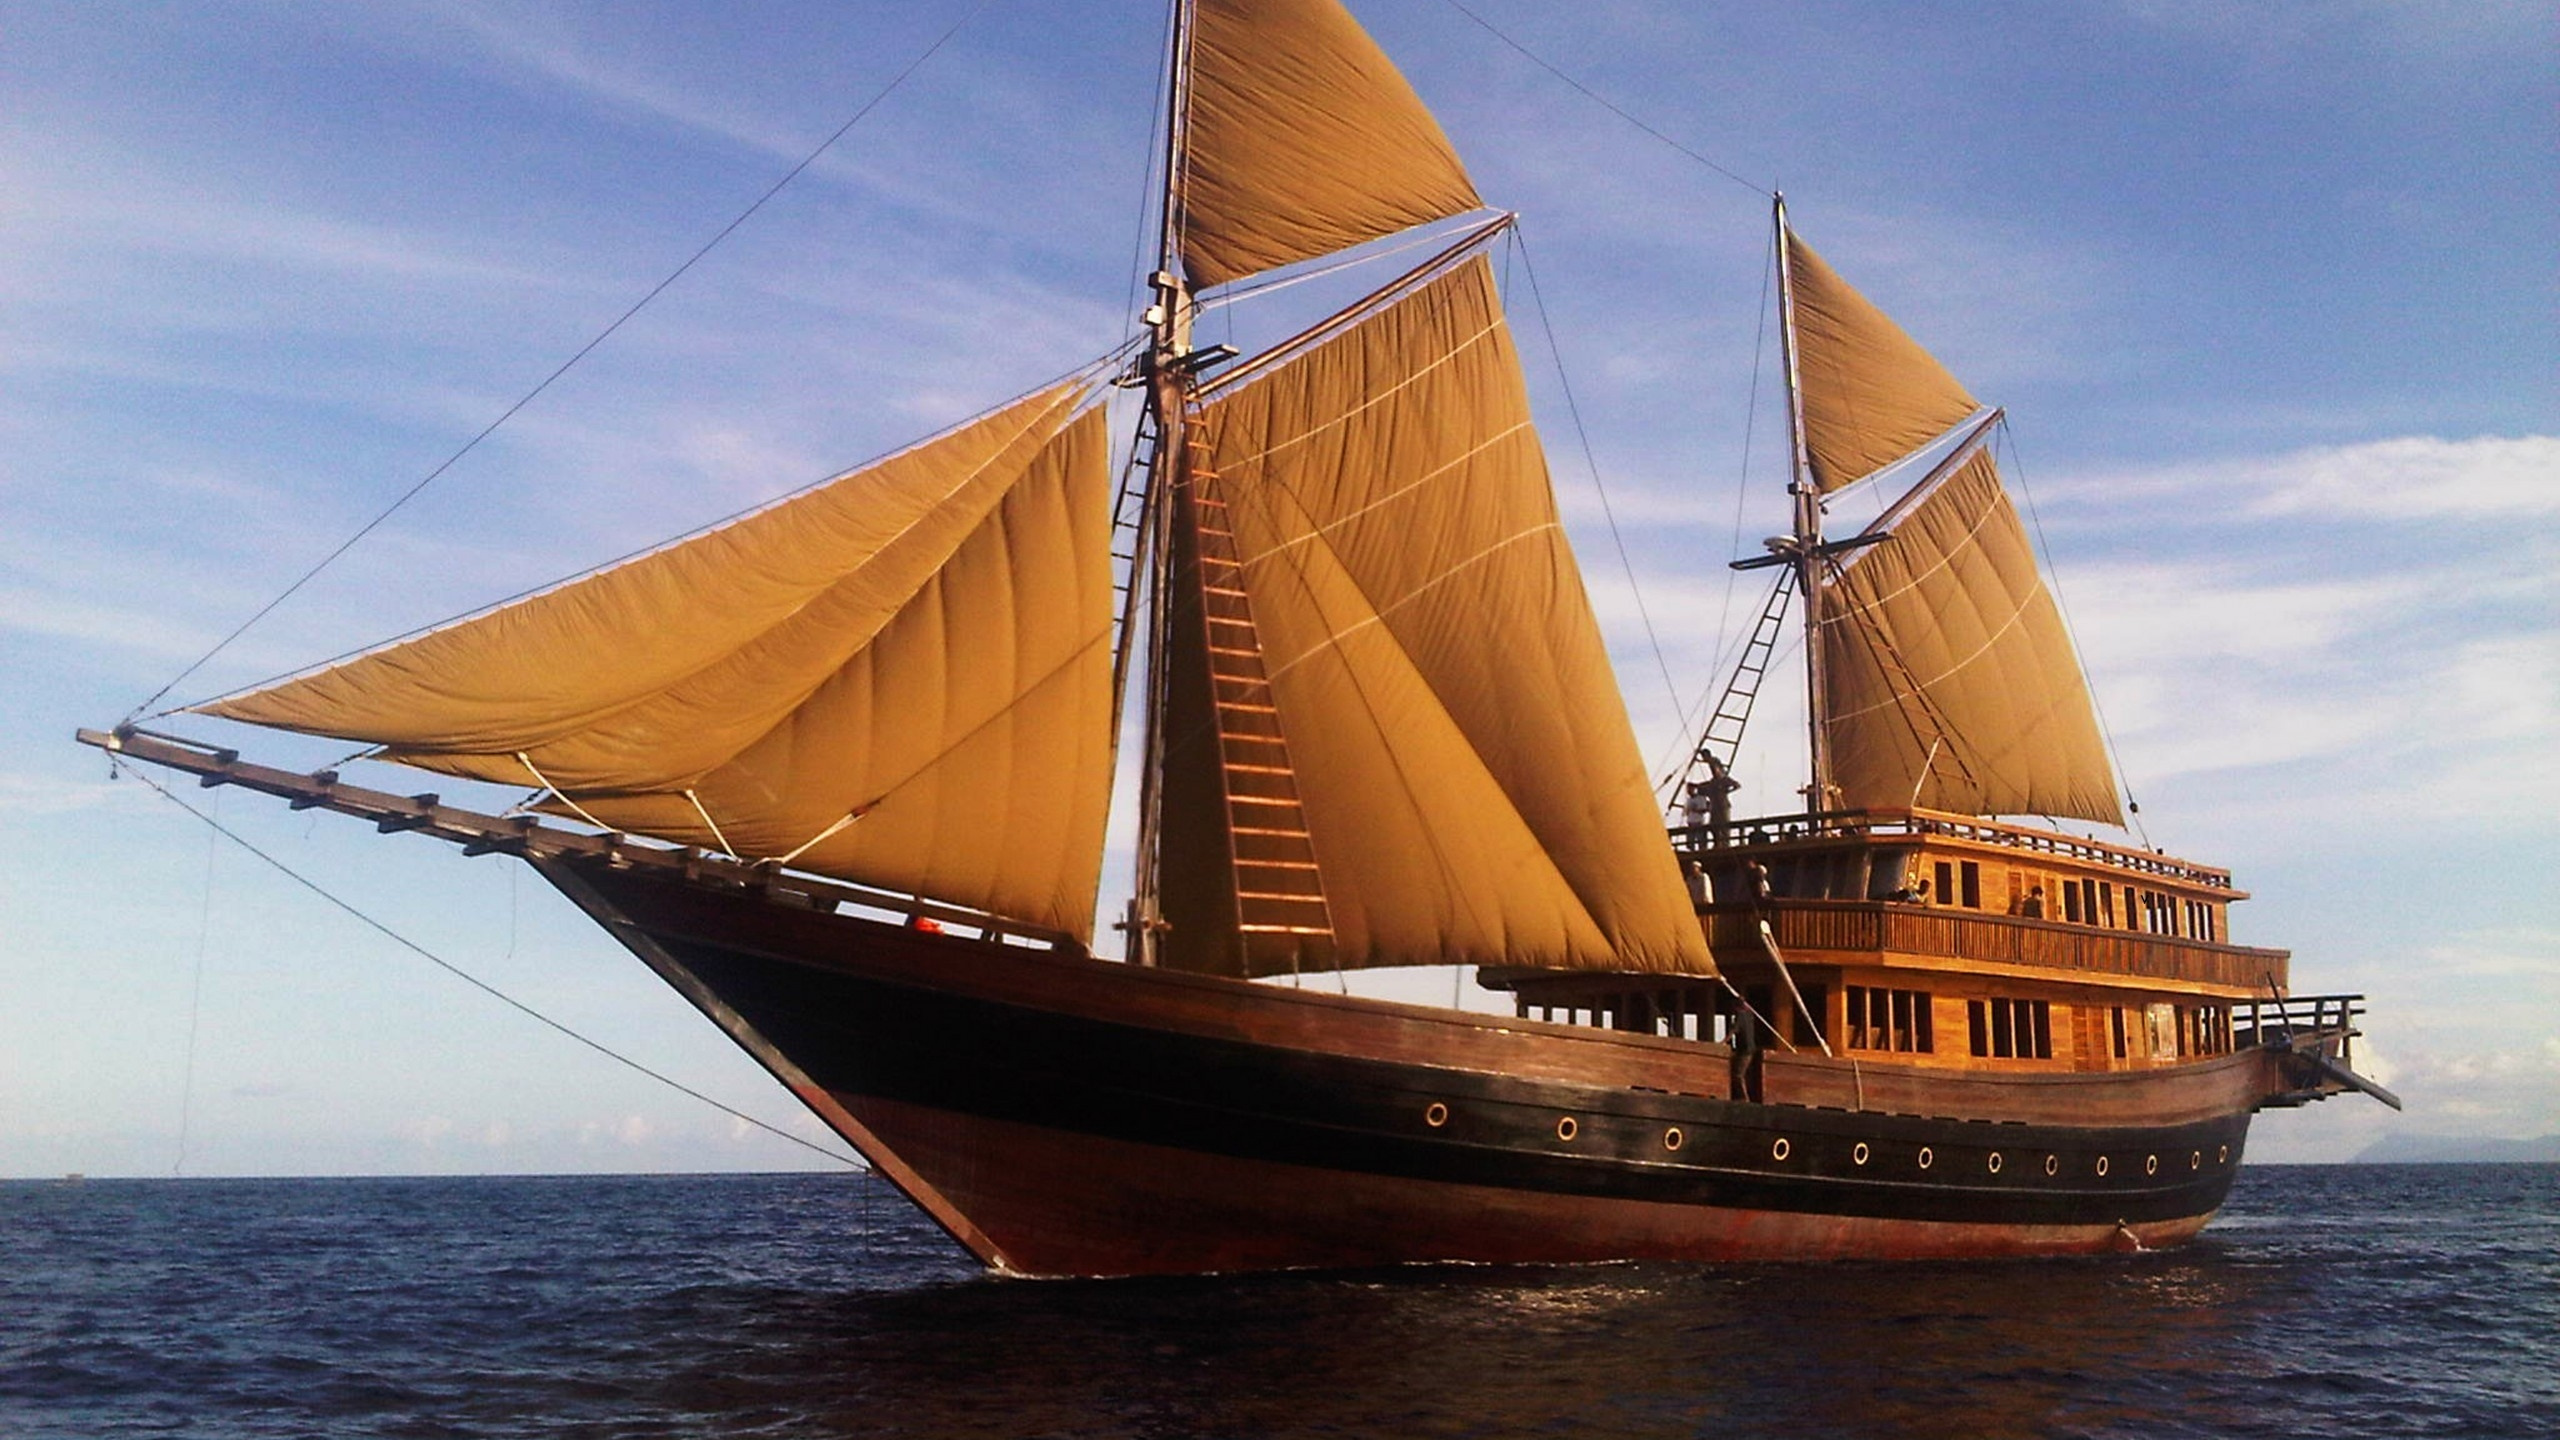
{"points": [[1804, 545]]}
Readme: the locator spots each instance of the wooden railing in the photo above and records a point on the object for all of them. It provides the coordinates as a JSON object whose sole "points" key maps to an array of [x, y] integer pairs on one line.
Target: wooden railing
{"points": [[1703, 842], [1875, 927]]}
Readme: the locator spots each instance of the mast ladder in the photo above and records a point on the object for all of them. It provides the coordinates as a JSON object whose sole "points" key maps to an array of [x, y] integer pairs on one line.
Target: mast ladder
{"points": [[1280, 904], [1722, 738], [1128, 520]]}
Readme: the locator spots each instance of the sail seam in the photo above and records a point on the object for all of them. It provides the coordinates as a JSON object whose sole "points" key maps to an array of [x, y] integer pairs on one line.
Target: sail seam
{"points": [[1976, 653], [1073, 391], [1437, 473], [1378, 614], [1372, 401]]}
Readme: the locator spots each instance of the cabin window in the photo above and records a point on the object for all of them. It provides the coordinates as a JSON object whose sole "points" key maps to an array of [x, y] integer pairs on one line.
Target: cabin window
{"points": [[1972, 874], [2119, 1032], [2071, 903], [2161, 1024], [1890, 1020], [2011, 1029], [2107, 903], [1946, 883]]}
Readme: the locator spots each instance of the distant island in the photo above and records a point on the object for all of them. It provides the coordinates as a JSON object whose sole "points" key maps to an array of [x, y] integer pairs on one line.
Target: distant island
{"points": [[2459, 1150]]}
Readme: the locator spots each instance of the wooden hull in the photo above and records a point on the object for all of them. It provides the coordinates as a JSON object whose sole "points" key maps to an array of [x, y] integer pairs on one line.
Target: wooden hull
{"points": [[1065, 1116]]}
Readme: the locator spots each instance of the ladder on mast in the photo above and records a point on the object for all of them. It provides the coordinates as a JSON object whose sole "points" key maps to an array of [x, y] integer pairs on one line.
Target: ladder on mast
{"points": [[1722, 738]]}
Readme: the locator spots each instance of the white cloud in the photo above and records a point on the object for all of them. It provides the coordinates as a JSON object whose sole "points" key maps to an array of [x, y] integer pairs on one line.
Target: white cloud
{"points": [[2409, 477]]}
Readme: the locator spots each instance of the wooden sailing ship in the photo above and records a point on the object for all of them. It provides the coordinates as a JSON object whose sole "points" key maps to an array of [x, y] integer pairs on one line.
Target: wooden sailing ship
{"points": [[839, 771]]}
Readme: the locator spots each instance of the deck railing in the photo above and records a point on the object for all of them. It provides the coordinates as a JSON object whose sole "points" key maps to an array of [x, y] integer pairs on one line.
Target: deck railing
{"points": [[2254, 1021], [1875, 927], [1702, 841]]}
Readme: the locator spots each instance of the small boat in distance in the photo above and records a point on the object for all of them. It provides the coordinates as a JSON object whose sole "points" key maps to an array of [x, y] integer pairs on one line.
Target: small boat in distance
{"points": [[838, 770]]}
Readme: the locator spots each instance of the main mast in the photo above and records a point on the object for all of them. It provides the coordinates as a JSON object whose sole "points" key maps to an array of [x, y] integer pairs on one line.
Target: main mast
{"points": [[1168, 387], [1806, 541]]}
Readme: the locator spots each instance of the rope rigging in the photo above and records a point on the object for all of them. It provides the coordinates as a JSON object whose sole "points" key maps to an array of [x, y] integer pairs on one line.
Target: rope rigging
{"points": [[474, 981], [405, 496]]}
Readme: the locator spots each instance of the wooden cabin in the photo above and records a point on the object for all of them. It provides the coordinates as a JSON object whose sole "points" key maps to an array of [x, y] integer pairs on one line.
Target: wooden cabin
{"points": [[1925, 938]]}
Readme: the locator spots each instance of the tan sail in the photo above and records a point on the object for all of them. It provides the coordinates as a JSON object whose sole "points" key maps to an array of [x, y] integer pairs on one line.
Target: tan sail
{"points": [[1949, 682], [1468, 777], [1871, 395], [1303, 139], [923, 643]]}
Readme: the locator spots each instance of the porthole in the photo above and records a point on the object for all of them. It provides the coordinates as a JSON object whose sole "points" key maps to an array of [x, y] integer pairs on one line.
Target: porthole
{"points": [[1567, 1128], [2053, 1164], [2150, 1164], [1435, 1114], [2222, 1156], [1928, 1157], [1672, 1139], [1781, 1149], [2195, 1160], [1995, 1162], [1859, 1155], [2102, 1165]]}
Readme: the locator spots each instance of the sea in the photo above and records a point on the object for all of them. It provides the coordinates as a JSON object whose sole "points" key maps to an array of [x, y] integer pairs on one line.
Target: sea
{"points": [[2328, 1301]]}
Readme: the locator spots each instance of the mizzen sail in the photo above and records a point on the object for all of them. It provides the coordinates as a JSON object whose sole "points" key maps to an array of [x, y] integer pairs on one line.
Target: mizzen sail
{"points": [[1469, 782], [1949, 681], [1302, 138], [1871, 395], [900, 677]]}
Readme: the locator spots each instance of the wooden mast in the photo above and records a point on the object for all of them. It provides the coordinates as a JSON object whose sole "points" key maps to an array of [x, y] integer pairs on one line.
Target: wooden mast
{"points": [[1168, 386], [1806, 542]]}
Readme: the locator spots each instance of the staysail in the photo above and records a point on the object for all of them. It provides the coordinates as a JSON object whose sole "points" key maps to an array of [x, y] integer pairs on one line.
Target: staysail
{"points": [[900, 677], [1302, 138], [1469, 782]]}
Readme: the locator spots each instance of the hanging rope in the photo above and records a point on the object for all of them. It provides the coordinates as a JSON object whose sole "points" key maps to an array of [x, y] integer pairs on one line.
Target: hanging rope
{"points": [[2071, 632], [474, 981], [1590, 462], [582, 352], [1605, 103]]}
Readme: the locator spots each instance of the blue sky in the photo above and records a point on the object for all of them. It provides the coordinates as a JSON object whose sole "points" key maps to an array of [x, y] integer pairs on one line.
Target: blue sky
{"points": [[2268, 290]]}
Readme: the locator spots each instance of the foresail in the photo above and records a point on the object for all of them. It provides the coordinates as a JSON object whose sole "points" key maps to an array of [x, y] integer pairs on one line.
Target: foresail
{"points": [[1470, 785], [1302, 139], [1871, 395], [1949, 681], [900, 677]]}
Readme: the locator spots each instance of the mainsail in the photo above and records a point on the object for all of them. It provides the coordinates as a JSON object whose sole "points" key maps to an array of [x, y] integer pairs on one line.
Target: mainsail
{"points": [[1469, 782], [1301, 139], [1945, 677], [900, 677]]}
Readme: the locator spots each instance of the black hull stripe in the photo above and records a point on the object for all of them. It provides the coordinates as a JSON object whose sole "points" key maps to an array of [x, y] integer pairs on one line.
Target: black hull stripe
{"points": [[863, 1037]]}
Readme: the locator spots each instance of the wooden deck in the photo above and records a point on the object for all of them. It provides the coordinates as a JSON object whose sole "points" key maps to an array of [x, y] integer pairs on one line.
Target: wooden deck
{"points": [[1833, 932]]}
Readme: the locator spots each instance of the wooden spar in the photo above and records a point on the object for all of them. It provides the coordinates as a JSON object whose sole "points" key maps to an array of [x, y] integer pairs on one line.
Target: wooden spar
{"points": [[1808, 527], [1882, 526], [527, 836]]}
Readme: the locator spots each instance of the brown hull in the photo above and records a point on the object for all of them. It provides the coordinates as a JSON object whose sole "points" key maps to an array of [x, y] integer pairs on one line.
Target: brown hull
{"points": [[1062, 1116]]}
